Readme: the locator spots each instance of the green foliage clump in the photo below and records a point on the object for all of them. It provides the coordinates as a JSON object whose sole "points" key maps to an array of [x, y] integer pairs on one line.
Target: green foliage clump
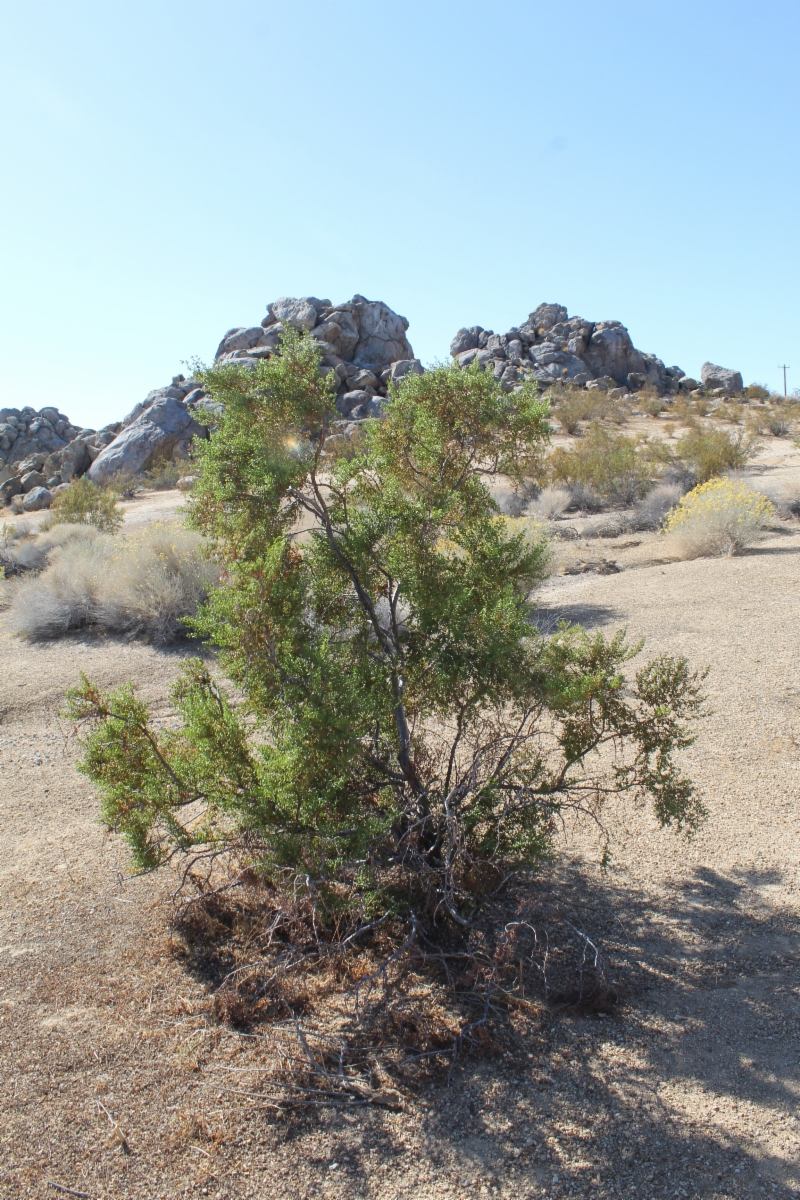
{"points": [[84, 503], [406, 736], [711, 452], [608, 462], [164, 474]]}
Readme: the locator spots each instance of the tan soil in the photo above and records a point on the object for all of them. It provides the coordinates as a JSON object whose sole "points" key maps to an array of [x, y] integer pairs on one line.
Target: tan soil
{"points": [[690, 1090]]}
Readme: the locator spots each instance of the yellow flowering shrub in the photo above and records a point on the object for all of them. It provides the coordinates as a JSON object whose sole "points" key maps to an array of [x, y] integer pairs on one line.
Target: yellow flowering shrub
{"points": [[719, 517]]}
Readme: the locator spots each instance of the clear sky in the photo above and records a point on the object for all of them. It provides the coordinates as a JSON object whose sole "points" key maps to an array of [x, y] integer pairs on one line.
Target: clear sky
{"points": [[171, 166]]}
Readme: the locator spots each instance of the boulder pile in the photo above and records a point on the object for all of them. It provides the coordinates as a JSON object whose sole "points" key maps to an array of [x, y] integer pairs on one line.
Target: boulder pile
{"points": [[363, 341], [365, 348], [552, 347], [42, 452]]}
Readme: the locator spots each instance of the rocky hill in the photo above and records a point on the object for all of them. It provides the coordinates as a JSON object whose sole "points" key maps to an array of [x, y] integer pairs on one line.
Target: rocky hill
{"points": [[365, 346]]}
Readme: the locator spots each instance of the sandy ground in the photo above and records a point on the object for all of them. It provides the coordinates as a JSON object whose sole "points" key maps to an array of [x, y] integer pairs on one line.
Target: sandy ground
{"points": [[116, 1082]]}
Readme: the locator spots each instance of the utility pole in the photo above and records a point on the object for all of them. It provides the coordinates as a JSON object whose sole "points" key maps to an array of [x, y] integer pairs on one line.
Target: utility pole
{"points": [[784, 367]]}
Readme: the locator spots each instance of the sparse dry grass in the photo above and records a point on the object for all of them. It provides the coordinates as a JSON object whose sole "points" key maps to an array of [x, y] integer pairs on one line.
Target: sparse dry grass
{"points": [[574, 406]]}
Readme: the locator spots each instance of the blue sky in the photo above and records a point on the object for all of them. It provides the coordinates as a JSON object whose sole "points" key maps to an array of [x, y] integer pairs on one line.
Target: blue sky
{"points": [[170, 167]]}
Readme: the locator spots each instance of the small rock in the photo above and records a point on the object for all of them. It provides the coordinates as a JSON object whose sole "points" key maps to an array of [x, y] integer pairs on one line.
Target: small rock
{"points": [[364, 380], [36, 499], [298, 314], [405, 366], [10, 489], [32, 479], [350, 400]]}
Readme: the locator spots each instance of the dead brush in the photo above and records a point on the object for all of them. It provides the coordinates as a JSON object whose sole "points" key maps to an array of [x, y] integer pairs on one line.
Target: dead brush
{"points": [[362, 1012]]}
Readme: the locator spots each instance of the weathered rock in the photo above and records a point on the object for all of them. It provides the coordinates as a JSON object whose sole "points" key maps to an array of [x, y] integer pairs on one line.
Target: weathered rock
{"points": [[240, 340], [465, 339], [32, 479], [546, 316], [74, 461], [363, 380], [714, 377], [298, 314], [551, 346], [382, 334], [345, 344], [611, 352], [350, 400], [405, 366], [9, 489], [553, 364], [157, 430], [36, 499]]}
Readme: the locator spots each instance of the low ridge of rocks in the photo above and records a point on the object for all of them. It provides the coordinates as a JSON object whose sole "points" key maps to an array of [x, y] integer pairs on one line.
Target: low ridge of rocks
{"points": [[552, 347], [365, 347]]}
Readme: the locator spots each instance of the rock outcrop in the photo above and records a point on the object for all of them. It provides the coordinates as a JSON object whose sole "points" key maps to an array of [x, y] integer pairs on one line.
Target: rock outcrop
{"points": [[720, 379], [366, 349], [163, 428], [550, 346]]}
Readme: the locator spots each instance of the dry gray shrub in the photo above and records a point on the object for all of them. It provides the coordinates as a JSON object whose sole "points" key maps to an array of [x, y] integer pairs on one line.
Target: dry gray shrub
{"points": [[650, 511], [142, 585], [552, 503], [785, 496]]}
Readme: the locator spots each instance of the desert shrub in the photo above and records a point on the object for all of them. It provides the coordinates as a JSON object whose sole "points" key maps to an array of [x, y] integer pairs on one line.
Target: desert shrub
{"points": [[719, 517], [608, 463], [729, 410], [786, 498], [572, 406], [756, 391], [125, 484], [552, 503], [649, 512], [584, 499], [164, 475], [711, 452], [84, 503], [777, 421], [29, 551], [653, 405], [408, 739], [144, 585]]}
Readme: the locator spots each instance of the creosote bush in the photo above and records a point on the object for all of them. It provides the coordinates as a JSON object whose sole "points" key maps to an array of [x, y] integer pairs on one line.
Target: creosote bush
{"points": [[406, 739], [609, 463], [84, 503], [719, 517], [710, 452]]}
